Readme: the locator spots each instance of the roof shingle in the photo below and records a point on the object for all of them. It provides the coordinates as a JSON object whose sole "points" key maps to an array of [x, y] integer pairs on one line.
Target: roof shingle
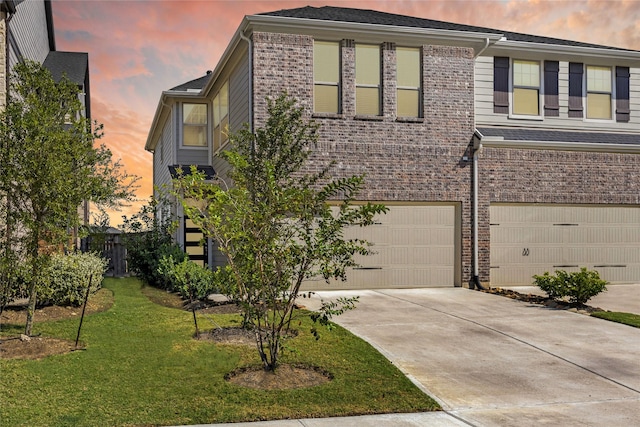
{"points": [[341, 14]]}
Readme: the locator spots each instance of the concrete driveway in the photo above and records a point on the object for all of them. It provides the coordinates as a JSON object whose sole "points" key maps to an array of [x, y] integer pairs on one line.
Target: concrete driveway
{"points": [[493, 361]]}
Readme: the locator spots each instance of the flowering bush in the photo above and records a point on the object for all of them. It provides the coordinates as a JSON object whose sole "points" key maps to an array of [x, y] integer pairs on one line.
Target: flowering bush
{"points": [[66, 278]]}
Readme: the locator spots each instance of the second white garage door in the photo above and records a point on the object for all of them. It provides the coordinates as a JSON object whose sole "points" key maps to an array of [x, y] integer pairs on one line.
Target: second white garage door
{"points": [[532, 239], [415, 247]]}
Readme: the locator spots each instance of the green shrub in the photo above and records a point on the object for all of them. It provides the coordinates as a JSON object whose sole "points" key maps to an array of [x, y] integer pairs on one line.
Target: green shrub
{"points": [[148, 240], [67, 276], [187, 277], [579, 287]]}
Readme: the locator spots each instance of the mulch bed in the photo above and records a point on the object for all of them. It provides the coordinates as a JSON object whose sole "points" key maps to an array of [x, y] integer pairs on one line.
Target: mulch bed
{"points": [[34, 348], [284, 377], [543, 300]]}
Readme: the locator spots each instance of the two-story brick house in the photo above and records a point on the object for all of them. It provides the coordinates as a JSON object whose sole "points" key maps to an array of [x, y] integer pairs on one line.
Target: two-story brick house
{"points": [[500, 155]]}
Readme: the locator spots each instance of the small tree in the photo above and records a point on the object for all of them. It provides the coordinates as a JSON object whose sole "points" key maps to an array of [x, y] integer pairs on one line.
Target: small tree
{"points": [[274, 224], [148, 240], [48, 167]]}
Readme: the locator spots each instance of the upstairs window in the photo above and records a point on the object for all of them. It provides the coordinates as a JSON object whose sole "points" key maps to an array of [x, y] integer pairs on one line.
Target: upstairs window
{"points": [[221, 117], [367, 80], [409, 82], [326, 77], [599, 94], [194, 125], [526, 88]]}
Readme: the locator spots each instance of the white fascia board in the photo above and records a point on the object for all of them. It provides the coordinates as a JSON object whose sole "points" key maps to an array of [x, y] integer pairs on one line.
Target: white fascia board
{"points": [[572, 53], [500, 142], [366, 32]]}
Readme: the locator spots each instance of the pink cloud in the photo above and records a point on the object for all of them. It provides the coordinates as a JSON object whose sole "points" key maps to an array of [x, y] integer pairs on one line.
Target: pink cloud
{"points": [[137, 49]]}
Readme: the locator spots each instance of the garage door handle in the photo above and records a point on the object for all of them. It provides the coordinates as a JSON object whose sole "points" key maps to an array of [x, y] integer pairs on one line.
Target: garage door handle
{"points": [[565, 266], [367, 268]]}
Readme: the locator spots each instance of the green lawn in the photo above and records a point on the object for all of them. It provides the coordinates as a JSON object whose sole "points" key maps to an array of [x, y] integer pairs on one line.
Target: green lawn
{"points": [[625, 318], [142, 367]]}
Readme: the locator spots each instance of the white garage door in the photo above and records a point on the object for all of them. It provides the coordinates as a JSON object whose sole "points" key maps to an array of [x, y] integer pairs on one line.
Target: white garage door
{"points": [[415, 247], [532, 239]]}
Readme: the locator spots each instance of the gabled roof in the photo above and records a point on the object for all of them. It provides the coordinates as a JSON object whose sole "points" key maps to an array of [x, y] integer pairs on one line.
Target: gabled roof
{"points": [[74, 65], [342, 14], [196, 84]]}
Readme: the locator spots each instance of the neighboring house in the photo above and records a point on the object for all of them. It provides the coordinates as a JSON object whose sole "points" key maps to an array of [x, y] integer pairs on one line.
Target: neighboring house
{"points": [[500, 155], [27, 33]]}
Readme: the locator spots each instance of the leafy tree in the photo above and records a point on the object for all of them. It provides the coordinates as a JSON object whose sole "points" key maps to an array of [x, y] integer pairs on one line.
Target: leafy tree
{"points": [[48, 166], [274, 223]]}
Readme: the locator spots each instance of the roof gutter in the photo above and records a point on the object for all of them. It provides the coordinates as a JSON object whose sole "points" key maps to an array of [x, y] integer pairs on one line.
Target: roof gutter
{"points": [[353, 29], [500, 142]]}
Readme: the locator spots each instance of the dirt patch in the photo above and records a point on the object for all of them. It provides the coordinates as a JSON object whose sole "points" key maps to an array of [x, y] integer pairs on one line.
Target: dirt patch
{"points": [[285, 377], [98, 302], [543, 300], [34, 347], [14, 347], [236, 336]]}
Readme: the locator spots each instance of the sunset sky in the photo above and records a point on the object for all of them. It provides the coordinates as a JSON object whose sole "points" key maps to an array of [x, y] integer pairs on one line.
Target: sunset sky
{"points": [[137, 49]]}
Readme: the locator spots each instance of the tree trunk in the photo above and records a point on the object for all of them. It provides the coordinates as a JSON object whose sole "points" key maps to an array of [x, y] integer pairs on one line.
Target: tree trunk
{"points": [[33, 291], [33, 288]]}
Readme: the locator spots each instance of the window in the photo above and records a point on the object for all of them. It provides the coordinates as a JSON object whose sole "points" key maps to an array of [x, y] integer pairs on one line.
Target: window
{"points": [[367, 80], [221, 117], [599, 92], [409, 82], [526, 88], [326, 77], [194, 125]]}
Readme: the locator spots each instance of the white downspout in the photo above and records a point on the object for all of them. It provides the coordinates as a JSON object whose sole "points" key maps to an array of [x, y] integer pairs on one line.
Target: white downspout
{"points": [[475, 280]]}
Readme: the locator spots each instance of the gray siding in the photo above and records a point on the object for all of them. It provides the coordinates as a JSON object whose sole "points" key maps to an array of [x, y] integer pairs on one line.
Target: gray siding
{"points": [[192, 156], [239, 96], [163, 156], [29, 37], [484, 103]]}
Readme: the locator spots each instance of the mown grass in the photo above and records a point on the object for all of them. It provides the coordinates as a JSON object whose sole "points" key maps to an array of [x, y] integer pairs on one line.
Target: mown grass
{"points": [[142, 367], [619, 317]]}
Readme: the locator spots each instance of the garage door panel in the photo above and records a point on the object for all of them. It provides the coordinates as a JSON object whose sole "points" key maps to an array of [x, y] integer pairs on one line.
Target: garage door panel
{"points": [[556, 237], [414, 247]]}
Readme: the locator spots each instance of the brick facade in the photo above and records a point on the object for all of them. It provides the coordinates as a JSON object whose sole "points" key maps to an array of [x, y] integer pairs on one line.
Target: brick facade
{"points": [[509, 175], [404, 161]]}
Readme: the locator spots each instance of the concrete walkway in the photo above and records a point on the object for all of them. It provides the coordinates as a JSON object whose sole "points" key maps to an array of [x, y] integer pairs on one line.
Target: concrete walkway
{"points": [[493, 361]]}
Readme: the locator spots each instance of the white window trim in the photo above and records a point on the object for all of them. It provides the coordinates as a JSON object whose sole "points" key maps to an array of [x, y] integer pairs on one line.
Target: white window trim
{"points": [[540, 115], [585, 105], [182, 125]]}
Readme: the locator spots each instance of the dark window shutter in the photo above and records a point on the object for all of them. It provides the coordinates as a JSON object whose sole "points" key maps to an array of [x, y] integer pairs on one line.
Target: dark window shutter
{"points": [[622, 94], [576, 71], [551, 103], [501, 85]]}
